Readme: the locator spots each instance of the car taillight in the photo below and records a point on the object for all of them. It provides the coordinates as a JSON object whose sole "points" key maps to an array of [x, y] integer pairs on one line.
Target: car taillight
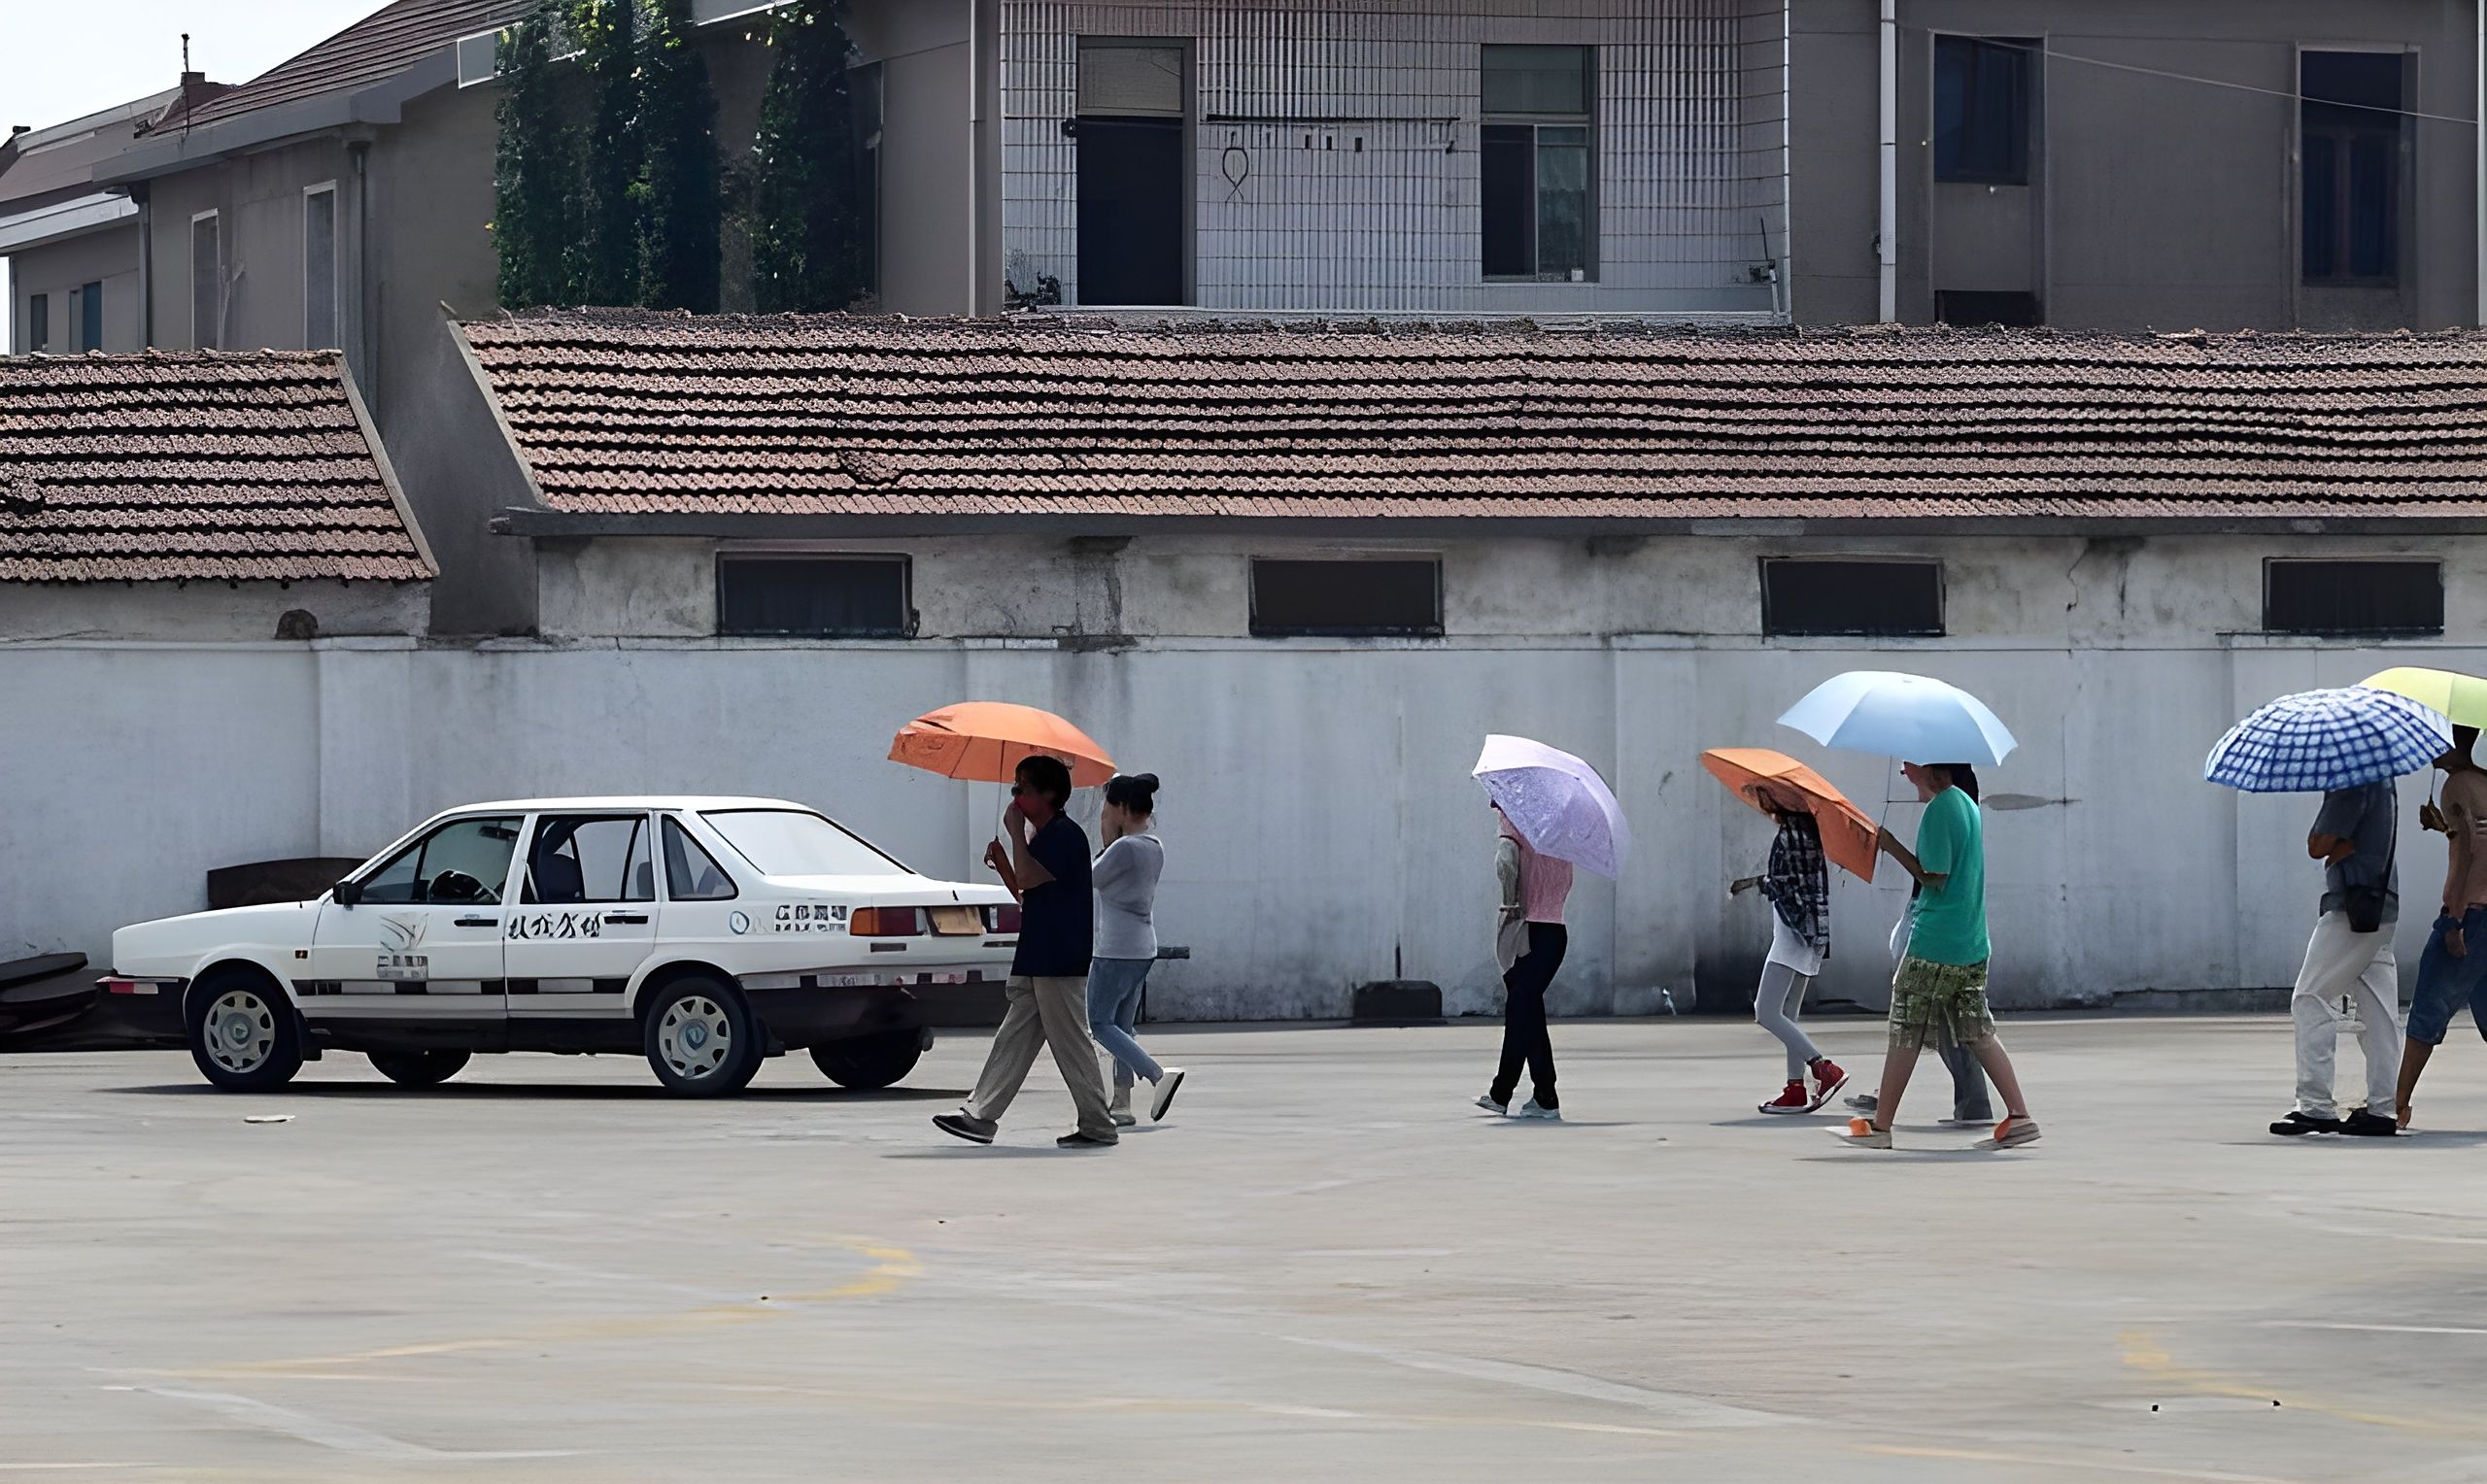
{"points": [[886, 922], [1001, 919]]}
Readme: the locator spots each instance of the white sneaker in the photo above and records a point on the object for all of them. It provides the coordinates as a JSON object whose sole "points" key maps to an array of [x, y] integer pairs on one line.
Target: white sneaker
{"points": [[1530, 1109], [1168, 1085], [1486, 1101]]}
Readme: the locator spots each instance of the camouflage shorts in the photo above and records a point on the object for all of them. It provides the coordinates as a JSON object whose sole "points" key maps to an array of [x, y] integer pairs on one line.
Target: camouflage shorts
{"points": [[1940, 1004]]}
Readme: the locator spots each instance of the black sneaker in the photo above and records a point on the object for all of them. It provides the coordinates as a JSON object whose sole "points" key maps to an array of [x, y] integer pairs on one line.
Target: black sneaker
{"points": [[1080, 1139], [2303, 1123], [975, 1130], [2370, 1125]]}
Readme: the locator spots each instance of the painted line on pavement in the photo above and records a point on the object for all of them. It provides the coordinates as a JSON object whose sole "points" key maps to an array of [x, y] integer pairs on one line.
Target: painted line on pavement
{"points": [[2146, 1355], [2042, 1460], [329, 1432]]}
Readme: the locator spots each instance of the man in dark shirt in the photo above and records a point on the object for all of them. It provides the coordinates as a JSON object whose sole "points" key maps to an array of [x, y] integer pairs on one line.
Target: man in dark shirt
{"points": [[2353, 836], [1046, 867]]}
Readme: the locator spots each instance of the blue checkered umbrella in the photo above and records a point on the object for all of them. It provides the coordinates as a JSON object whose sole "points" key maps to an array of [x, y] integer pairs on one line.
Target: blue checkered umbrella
{"points": [[2319, 740]]}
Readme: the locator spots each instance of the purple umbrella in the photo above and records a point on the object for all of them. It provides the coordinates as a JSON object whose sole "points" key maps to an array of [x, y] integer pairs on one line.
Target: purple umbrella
{"points": [[1558, 803]]}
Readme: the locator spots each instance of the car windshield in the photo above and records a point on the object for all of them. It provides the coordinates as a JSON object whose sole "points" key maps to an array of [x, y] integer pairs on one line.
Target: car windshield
{"points": [[786, 842]]}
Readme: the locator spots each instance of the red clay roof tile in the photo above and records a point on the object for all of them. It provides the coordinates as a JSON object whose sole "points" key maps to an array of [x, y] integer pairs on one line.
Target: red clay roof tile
{"points": [[630, 411], [196, 465]]}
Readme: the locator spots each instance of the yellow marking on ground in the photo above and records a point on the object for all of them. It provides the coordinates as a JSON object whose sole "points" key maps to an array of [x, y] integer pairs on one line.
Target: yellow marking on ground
{"points": [[2146, 1355], [2042, 1460], [1197, 1406], [892, 1268]]}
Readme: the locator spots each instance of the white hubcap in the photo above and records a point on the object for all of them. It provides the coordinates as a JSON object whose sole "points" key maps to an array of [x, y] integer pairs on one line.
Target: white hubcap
{"points": [[694, 1037], [241, 1032]]}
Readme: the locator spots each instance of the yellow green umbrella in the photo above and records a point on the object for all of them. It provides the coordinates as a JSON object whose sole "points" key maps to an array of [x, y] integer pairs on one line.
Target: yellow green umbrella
{"points": [[2462, 699]]}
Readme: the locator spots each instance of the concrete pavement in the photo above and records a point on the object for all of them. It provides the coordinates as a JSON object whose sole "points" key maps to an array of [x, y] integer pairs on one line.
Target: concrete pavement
{"points": [[1325, 1265]]}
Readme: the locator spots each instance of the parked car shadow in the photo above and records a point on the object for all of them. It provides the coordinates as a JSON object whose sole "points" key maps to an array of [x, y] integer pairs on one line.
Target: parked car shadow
{"points": [[380, 1090]]}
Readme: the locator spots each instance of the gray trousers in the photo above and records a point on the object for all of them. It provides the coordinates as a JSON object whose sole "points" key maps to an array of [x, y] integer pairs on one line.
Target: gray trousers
{"points": [[1970, 1102], [1044, 1012]]}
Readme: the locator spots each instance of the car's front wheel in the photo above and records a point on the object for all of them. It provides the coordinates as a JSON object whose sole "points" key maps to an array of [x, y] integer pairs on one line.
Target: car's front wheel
{"points": [[419, 1068], [242, 1034], [867, 1062], [703, 1039]]}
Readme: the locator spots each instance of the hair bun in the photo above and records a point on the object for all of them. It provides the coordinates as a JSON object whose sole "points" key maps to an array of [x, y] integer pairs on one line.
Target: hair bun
{"points": [[1147, 781]]}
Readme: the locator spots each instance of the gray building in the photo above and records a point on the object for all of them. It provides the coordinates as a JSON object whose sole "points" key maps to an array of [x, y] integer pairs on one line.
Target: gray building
{"points": [[72, 245], [2223, 164]]}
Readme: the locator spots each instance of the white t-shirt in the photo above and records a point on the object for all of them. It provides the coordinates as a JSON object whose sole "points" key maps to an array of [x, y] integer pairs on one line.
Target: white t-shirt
{"points": [[1788, 946]]}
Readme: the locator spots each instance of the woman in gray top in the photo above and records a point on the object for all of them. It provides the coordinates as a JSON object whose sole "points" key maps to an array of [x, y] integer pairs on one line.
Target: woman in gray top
{"points": [[1125, 877]]}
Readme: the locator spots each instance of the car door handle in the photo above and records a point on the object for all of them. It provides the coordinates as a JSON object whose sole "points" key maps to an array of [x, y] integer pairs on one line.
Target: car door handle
{"points": [[626, 917], [478, 921]]}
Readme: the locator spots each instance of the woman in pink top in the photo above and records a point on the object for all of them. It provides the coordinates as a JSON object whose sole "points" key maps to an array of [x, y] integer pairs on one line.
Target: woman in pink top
{"points": [[1528, 944]]}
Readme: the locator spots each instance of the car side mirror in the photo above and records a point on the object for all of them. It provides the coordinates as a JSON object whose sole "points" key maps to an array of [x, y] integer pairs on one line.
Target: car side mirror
{"points": [[346, 894]]}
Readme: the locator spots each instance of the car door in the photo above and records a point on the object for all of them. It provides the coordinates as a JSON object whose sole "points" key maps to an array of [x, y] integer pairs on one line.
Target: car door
{"points": [[585, 916], [423, 942]]}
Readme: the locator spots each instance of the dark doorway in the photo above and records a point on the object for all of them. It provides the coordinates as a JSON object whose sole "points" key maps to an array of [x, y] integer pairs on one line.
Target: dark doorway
{"points": [[1131, 211]]}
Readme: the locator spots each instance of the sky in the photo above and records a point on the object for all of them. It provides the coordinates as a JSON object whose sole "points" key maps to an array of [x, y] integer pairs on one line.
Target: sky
{"points": [[61, 59]]}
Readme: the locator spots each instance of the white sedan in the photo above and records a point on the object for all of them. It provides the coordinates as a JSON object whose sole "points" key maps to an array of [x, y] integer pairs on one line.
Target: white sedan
{"points": [[705, 933]]}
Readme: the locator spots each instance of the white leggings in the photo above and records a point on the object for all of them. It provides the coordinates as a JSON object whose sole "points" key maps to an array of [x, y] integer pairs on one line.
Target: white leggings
{"points": [[1775, 1008]]}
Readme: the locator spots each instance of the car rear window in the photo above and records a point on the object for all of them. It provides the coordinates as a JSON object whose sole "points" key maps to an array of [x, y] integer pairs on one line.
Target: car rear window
{"points": [[787, 842]]}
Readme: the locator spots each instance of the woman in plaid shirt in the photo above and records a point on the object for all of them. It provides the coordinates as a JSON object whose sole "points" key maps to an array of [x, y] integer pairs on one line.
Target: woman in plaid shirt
{"points": [[1798, 884]]}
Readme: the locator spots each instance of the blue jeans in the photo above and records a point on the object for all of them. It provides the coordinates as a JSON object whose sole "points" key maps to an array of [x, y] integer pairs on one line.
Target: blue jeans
{"points": [[1114, 1008], [2445, 983]]}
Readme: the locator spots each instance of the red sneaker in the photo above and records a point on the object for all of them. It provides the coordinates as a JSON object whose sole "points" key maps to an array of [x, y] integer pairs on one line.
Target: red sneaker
{"points": [[1828, 1079], [1791, 1099]]}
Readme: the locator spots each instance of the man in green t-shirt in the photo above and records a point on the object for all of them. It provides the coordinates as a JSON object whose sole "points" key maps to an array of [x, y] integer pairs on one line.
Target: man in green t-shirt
{"points": [[1938, 996]]}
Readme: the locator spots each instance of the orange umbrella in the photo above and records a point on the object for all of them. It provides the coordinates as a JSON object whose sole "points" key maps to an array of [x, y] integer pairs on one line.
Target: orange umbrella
{"points": [[1848, 836], [986, 741]]}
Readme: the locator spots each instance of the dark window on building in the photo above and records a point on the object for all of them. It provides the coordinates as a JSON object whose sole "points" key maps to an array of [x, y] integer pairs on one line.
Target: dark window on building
{"points": [[816, 598], [90, 315], [319, 268], [1535, 154], [1851, 595], [1364, 595], [2017, 308], [2350, 161], [37, 335], [207, 282], [863, 84], [2353, 597], [1982, 98], [1134, 179]]}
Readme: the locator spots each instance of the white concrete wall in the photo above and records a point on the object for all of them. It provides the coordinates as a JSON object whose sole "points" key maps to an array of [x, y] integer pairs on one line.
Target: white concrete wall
{"points": [[1322, 828], [206, 612], [1381, 211]]}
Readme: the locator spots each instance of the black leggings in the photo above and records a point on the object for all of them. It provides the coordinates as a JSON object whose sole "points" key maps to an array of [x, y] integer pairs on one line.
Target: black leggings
{"points": [[1524, 1038]]}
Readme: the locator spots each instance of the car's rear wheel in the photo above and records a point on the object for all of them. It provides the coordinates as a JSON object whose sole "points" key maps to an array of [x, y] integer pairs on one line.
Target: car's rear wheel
{"points": [[242, 1033], [875, 1061], [703, 1039], [419, 1068]]}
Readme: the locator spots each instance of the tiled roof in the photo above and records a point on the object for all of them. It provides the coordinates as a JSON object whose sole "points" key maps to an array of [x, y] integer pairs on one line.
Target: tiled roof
{"points": [[374, 48], [626, 412], [201, 464]]}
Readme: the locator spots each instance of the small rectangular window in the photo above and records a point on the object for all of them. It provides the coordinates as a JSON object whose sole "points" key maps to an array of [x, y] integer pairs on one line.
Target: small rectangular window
{"points": [[1982, 109], [2016, 307], [207, 282], [1803, 596], [2353, 597], [2350, 151], [1362, 595], [38, 331], [319, 268], [1536, 173], [691, 873], [90, 315], [817, 597]]}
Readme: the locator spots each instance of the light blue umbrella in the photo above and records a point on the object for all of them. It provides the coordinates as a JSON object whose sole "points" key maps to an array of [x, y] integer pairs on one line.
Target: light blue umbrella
{"points": [[1908, 716], [2316, 741]]}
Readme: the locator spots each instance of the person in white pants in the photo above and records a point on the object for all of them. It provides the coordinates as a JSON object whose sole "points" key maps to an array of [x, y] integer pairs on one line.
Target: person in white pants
{"points": [[2354, 837]]}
